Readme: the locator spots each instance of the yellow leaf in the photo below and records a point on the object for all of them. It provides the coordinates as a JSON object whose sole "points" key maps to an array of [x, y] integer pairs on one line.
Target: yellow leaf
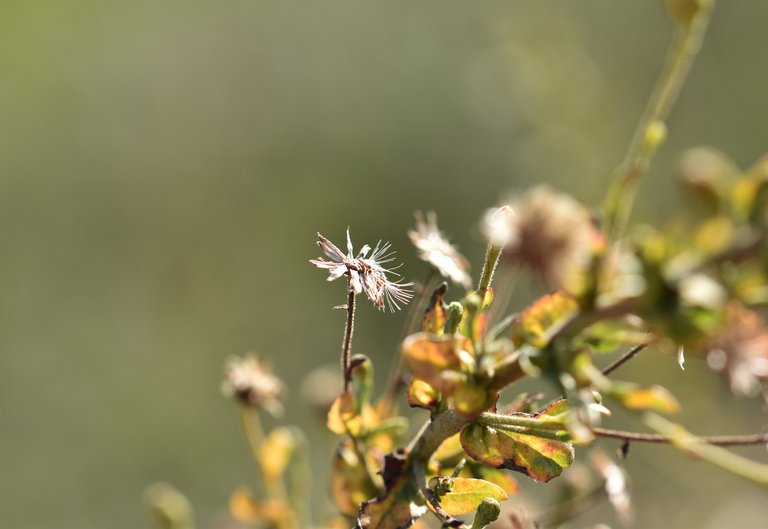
{"points": [[435, 315], [469, 399], [422, 395], [467, 494], [655, 398], [275, 452], [248, 509], [343, 417], [450, 449]]}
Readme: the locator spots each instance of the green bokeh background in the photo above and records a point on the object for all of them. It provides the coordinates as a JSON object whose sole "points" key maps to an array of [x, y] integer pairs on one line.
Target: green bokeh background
{"points": [[164, 166]]}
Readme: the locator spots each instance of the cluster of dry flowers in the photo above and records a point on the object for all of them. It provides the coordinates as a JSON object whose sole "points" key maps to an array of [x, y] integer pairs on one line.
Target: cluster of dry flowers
{"points": [[699, 287]]}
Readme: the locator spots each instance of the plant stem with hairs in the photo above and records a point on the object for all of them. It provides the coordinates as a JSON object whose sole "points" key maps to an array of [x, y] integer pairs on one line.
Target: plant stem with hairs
{"points": [[349, 328]]}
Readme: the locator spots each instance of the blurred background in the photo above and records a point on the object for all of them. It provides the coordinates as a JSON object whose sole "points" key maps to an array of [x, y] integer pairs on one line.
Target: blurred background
{"points": [[164, 167]]}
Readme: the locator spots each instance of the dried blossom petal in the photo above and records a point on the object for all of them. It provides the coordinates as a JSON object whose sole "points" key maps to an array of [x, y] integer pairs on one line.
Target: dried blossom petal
{"points": [[365, 274], [741, 350], [251, 382], [555, 236], [435, 249], [615, 485], [499, 227]]}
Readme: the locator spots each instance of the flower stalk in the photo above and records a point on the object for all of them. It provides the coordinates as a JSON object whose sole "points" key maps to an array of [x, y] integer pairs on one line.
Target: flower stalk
{"points": [[651, 131], [346, 347]]}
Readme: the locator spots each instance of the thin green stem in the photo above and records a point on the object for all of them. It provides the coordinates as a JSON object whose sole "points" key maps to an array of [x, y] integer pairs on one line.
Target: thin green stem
{"points": [[696, 446], [254, 434], [430, 437], [492, 254], [651, 130]]}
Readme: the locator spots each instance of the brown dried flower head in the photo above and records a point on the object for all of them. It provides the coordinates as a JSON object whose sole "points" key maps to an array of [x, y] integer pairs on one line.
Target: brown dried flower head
{"points": [[365, 274], [435, 249], [551, 234], [741, 350], [251, 382]]}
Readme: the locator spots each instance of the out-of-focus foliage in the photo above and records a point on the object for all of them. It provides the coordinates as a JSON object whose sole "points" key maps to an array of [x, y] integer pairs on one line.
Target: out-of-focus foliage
{"points": [[162, 162]]}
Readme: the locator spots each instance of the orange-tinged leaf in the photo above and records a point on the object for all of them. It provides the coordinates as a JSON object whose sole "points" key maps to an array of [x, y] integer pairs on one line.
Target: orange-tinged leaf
{"points": [[422, 395], [539, 458], [487, 298], [247, 509], [467, 493], [541, 316], [342, 417], [556, 408], [481, 325], [655, 398], [430, 356]]}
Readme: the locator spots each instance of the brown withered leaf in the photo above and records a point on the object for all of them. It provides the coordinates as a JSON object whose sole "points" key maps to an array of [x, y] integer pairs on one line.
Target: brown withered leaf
{"points": [[435, 315], [351, 484], [396, 509], [539, 458]]}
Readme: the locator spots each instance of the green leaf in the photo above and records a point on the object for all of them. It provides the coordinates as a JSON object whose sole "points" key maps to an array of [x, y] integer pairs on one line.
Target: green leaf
{"points": [[607, 336], [469, 398], [538, 458], [468, 493]]}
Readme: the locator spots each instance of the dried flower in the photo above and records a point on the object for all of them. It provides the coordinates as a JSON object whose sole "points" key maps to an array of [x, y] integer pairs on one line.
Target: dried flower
{"points": [[435, 249], [365, 274], [555, 236], [251, 382], [615, 485], [741, 350], [498, 226]]}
